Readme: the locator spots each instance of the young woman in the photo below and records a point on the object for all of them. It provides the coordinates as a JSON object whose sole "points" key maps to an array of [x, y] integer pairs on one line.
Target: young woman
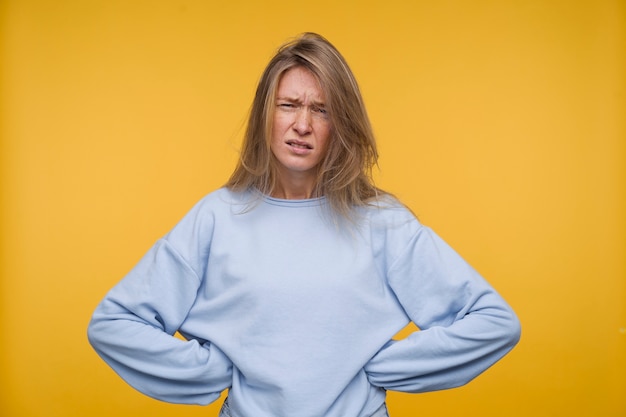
{"points": [[290, 282]]}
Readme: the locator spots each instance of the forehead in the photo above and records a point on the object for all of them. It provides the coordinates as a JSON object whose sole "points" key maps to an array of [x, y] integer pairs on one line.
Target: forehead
{"points": [[299, 83]]}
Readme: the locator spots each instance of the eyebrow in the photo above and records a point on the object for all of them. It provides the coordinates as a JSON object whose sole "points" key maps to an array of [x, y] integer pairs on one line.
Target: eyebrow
{"points": [[297, 100]]}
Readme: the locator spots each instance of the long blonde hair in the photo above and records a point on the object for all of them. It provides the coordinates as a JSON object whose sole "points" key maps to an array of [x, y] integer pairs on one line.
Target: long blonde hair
{"points": [[344, 175]]}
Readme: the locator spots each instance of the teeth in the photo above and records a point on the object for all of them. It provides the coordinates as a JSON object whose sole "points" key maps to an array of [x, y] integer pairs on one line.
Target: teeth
{"points": [[297, 145]]}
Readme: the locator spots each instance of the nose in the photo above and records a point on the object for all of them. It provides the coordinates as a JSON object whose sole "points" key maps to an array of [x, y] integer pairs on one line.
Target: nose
{"points": [[302, 124]]}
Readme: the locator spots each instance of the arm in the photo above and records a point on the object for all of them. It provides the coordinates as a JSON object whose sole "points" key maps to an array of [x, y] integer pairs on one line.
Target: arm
{"points": [[465, 325], [132, 330]]}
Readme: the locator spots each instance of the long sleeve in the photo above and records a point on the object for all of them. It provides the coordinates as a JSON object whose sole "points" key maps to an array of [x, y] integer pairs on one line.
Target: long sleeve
{"points": [[132, 330], [465, 326]]}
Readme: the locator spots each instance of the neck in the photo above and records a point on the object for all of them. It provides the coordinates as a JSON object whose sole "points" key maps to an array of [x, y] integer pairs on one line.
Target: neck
{"points": [[294, 188], [292, 193]]}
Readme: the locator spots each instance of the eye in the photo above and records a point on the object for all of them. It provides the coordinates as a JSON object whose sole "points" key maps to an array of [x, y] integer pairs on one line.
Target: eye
{"points": [[321, 111], [286, 106]]}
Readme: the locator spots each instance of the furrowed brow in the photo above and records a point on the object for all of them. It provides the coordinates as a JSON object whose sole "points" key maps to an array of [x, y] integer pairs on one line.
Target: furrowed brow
{"points": [[289, 99], [299, 101]]}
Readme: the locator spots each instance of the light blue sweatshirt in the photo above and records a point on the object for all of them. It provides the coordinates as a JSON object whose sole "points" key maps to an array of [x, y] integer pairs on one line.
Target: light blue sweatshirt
{"points": [[294, 312]]}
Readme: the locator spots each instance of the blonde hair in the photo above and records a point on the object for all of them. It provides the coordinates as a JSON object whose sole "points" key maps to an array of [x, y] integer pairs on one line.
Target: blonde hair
{"points": [[344, 174]]}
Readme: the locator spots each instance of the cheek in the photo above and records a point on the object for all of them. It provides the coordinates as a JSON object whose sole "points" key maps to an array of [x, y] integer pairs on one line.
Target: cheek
{"points": [[325, 134], [276, 130], [281, 124]]}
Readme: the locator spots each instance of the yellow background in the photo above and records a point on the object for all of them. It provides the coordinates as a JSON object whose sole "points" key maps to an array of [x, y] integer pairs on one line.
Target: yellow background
{"points": [[501, 123]]}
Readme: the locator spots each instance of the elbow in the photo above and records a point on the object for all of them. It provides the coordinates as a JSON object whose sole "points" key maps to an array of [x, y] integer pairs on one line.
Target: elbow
{"points": [[92, 335], [95, 335], [511, 331], [516, 331]]}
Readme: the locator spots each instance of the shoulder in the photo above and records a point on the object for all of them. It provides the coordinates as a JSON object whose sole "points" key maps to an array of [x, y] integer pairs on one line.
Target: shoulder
{"points": [[391, 224], [223, 199], [388, 212], [213, 206], [391, 227]]}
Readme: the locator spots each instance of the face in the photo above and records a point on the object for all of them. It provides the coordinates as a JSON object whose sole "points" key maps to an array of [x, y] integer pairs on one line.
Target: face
{"points": [[301, 128]]}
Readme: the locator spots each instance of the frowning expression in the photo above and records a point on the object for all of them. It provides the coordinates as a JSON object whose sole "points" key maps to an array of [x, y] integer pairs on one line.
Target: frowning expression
{"points": [[301, 127]]}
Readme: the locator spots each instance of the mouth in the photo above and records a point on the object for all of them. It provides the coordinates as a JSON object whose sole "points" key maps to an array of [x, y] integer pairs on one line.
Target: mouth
{"points": [[298, 144]]}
